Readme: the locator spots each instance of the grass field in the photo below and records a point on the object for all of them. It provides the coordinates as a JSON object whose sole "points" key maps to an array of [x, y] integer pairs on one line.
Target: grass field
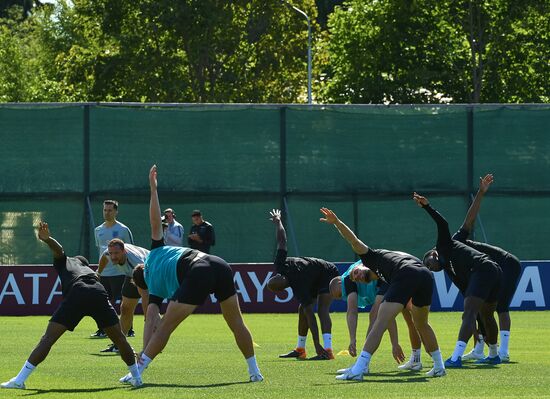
{"points": [[202, 361]]}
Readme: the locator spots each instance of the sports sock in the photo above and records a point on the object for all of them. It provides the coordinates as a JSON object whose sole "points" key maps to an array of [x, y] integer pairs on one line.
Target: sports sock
{"points": [[415, 355], [327, 341], [252, 365], [493, 350], [459, 350], [361, 363], [144, 361], [480, 345], [504, 342], [134, 370], [301, 342], [26, 370], [437, 358]]}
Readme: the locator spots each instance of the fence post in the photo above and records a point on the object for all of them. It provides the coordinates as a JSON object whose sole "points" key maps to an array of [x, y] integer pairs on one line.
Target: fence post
{"points": [[86, 183]]}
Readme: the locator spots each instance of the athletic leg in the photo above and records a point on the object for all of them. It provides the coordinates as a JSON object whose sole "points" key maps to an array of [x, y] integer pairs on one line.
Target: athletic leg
{"points": [[427, 334], [53, 332], [233, 317], [127, 309], [323, 311]]}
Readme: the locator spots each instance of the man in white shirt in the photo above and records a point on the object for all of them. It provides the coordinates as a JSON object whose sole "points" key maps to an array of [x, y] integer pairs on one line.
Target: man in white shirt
{"points": [[111, 277], [173, 234]]}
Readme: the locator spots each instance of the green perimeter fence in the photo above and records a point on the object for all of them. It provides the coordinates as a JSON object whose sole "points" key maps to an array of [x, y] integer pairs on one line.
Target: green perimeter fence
{"points": [[236, 162]]}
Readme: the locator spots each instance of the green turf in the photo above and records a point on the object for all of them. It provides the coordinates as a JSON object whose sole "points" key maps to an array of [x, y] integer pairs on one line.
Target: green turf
{"points": [[201, 360]]}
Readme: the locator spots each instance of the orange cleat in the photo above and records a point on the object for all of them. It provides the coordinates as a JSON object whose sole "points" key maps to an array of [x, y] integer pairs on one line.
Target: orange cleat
{"points": [[298, 353]]}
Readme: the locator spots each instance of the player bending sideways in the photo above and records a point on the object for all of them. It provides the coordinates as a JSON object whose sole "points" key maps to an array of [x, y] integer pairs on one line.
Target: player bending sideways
{"points": [[475, 275], [360, 295], [408, 280], [186, 277], [511, 270], [83, 295], [309, 279]]}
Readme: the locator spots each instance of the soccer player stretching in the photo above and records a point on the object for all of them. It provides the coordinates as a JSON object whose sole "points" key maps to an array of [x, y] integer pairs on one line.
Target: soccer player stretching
{"points": [[186, 277], [83, 295], [408, 279]]}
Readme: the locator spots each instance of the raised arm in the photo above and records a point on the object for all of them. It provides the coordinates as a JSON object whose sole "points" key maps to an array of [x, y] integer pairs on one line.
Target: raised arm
{"points": [[154, 207], [44, 235], [484, 183], [443, 233], [358, 246], [280, 233]]}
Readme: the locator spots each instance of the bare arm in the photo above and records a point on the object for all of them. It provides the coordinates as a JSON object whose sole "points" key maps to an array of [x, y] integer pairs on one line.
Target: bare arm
{"points": [[484, 183], [280, 233], [312, 324], [102, 263], [358, 246], [151, 323], [154, 206], [351, 317], [44, 235]]}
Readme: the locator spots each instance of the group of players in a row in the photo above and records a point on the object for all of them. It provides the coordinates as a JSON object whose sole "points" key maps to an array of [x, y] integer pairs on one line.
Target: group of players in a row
{"points": [[392, 282]]}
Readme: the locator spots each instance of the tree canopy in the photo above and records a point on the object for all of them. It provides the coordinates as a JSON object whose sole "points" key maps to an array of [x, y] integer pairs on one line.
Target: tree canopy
{"points": [[365, 51]]}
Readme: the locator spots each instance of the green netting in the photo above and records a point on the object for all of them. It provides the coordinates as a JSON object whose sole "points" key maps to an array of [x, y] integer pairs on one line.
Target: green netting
{"points": [[243, 231], [195, 149], [41, 150], [226, 161], [375, 149], [514, 144], [18, 235]]}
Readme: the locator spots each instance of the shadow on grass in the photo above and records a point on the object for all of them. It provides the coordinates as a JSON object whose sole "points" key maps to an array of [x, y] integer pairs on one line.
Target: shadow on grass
{"points": [[391, 377], [216, 385], [69, 390]]}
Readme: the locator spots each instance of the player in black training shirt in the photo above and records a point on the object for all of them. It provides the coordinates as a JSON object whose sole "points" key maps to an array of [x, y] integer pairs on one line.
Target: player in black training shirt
{"points": [[408, 280], [309, 279], [83, 295], [476, 276], [511, 270]]}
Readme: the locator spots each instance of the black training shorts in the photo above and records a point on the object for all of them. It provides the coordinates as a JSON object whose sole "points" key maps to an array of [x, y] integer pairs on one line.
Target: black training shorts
{"points": [[329, 272], [113, 286], [484, 283], [129, 289], [87, 297], [411, 281], [381, 288], [511, 270], [209, 274]]}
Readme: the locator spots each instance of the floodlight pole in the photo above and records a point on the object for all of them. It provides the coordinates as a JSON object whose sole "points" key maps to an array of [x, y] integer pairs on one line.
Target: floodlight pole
{"points": [[308, 48]]}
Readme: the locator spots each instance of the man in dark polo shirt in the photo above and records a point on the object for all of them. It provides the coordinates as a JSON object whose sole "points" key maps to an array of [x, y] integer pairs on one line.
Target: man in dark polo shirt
{"points": [[83, 295], [201, 235], [309, 279]]}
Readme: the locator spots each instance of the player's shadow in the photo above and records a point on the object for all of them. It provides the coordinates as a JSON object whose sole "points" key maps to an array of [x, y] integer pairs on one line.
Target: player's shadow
{"points": [[69, 390], [216, 385], [393, 377]]}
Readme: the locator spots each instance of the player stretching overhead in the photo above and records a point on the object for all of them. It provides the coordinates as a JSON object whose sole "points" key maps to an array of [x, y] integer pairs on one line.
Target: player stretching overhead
{"points": [[408, 279], [83, 295], [476, 276], [309, 279], [186, 277], [360, 295], [511, 270]]}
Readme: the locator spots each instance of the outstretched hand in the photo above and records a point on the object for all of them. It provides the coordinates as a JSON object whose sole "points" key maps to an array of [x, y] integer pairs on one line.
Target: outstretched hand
{"points": [[329, 216], [420, 200], [43, 231], [153, 177], [485, 182], [275, 216]]}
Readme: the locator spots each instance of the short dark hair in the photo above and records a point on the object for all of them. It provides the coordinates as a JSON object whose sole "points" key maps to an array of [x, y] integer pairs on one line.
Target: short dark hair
{"points": [[116, 242], [196, 212], [139, 277], [111, 202]]}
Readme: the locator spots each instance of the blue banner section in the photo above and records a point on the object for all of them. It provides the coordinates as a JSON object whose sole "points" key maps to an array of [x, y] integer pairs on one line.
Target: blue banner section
{"points": [[532, 291]]}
